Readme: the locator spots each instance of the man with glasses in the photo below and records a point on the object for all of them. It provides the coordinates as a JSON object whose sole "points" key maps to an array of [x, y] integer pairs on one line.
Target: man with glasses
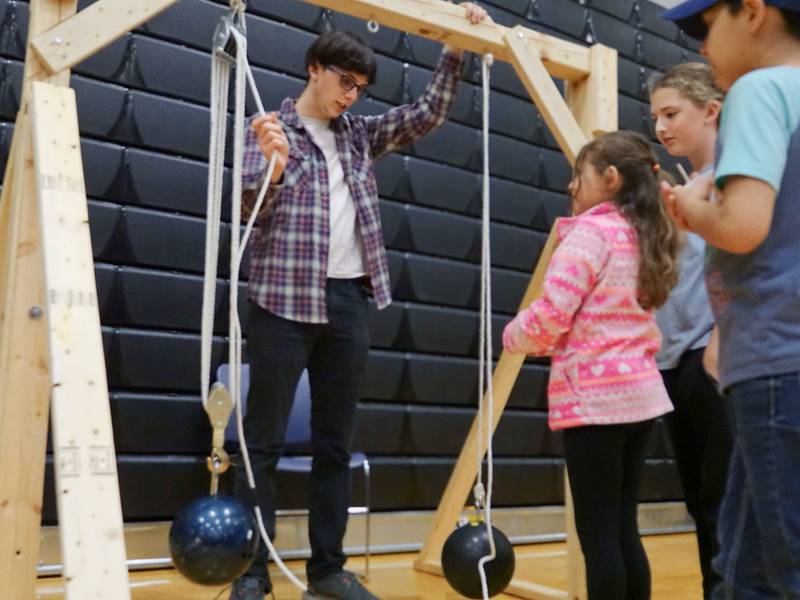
{"points": [[317, 253]]}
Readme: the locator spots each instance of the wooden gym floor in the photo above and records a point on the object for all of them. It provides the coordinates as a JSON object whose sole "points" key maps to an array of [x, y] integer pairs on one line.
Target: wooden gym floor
{"points": [[673, 560]]}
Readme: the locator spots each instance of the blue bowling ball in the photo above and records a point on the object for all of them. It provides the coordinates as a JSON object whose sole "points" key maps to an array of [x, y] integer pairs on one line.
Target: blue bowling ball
{"points": [[213, 540]]}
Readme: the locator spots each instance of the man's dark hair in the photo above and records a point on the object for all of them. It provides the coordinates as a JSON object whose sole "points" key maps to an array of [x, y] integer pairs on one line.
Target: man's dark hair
{"points": [[791, 18], [344, 50]]}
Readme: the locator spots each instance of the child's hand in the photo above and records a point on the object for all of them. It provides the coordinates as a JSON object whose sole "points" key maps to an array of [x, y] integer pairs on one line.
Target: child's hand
{"points": [[668, 195], [510, 335], [517, 338], [679, 199]]}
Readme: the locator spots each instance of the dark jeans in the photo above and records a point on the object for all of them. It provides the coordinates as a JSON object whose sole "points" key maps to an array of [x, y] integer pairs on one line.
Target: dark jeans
{"points": [[335, 355], [702, 437], [759, 521], [605, 464]]}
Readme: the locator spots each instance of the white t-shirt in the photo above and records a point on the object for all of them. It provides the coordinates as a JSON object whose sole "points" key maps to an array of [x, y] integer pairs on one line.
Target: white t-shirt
{"points": [[345, 250]]}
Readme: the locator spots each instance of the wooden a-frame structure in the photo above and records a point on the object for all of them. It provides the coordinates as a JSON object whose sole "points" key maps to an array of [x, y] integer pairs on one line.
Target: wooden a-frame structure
{"points": [[51, 354]]}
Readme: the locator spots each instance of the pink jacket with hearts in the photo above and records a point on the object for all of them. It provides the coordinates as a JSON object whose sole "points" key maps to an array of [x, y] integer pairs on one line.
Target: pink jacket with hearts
{"points": [[588, 318]]}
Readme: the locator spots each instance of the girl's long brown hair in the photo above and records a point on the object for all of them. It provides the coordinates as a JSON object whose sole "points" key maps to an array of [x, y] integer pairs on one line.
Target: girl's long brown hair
{"points": [[639, 199]]}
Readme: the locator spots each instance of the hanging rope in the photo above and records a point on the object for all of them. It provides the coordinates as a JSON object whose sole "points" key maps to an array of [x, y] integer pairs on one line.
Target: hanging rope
{"points": [[483, 495], [231, 46]]}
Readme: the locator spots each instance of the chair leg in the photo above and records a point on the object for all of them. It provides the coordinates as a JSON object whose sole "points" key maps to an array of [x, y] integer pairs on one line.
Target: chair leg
{"points": [[367, 498]]}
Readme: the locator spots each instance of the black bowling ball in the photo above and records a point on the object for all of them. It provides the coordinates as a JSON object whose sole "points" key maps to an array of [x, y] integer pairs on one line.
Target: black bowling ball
{"points": [[460, 556], [213, 540]]}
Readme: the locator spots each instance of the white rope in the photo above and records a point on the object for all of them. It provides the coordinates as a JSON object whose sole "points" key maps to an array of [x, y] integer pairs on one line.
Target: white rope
{"points": [[220, 75], [484, 496], [220, 71]]}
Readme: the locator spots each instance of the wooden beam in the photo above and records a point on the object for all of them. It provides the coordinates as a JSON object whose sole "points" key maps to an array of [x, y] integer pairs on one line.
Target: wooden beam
{"points": [[463, 476], [527, 61], [44, 14], [24, 372], [78, 37], [99, 24], [445, 22], [6, 220], [24, 380], [87, 489], [593, 100]]}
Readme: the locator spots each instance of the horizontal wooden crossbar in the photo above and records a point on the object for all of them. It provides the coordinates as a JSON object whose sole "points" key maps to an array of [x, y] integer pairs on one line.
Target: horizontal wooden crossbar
{"points": [[445, 22], [99, 24]]}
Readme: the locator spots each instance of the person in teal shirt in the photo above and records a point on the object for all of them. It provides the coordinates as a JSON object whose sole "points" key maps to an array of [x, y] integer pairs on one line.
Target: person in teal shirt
{"points": [[748, 211]]}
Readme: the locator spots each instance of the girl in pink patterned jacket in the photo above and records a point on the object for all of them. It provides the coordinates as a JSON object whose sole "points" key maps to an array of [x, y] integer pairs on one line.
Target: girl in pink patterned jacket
{"points": [[616, 261]]}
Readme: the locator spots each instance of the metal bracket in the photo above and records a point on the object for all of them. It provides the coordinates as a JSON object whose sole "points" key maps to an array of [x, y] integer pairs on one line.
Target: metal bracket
{"points": [[224, 43]]}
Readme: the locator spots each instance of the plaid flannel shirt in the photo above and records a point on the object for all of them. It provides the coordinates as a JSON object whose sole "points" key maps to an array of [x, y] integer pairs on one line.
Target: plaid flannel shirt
{"points": [[289, 259]]}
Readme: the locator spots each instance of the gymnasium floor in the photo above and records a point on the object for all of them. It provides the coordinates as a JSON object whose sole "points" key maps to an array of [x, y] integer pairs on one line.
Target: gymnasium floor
{"points": [[673, 559]]}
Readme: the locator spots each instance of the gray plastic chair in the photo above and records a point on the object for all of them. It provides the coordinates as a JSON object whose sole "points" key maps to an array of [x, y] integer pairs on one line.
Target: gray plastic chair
{"points": [[298, 431]]}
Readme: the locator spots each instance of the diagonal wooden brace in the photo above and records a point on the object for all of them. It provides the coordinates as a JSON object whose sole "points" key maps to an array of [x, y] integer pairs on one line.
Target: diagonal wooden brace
{"points": [[526, 58], [78, 37]]}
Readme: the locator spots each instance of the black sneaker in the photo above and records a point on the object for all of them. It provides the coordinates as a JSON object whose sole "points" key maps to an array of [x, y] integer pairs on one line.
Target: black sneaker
{"points": [[249, 588], [340, 585]]}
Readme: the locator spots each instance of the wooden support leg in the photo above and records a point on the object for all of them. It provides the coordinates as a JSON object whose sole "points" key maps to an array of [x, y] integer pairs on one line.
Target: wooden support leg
{"points": [[24, 381], [87, 490], [7, 220]]}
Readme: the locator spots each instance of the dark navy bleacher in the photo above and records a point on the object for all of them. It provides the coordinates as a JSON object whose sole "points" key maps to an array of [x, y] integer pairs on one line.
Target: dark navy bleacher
{"points": [[143, 111]]}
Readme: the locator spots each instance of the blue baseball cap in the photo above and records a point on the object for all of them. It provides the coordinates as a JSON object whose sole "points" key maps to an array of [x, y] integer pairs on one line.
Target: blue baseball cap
{"points": [[689, 15]]}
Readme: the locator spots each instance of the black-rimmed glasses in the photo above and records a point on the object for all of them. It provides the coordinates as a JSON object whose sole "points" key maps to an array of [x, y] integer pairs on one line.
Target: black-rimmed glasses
{"points": [[347, 82]]}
